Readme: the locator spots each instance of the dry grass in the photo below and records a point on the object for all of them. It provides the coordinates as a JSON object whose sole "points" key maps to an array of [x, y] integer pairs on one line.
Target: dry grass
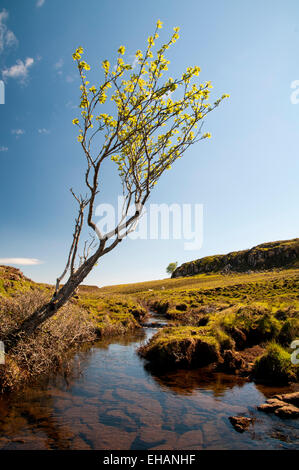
{"points": [[44, 352]]}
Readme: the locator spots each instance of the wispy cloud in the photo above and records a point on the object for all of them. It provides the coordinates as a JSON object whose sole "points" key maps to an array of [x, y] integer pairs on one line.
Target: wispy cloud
{"points": [[69, 79], [21, 261], [58, 67], [71, 105], [40, 3], [19, 71], [134, 60], [43, 131], [59, 64], [18, 132], [3, 149], [7, 37]]}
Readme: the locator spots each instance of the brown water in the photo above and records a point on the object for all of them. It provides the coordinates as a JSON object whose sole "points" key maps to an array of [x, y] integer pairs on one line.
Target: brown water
{"points": [[118, 403]]}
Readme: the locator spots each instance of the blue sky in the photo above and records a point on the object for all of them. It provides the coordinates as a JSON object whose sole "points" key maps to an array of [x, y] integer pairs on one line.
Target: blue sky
{"points": [[246, 176]]}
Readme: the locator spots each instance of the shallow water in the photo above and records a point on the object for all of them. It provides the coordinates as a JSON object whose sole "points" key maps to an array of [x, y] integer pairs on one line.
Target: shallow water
{"points": [[119, 403]]}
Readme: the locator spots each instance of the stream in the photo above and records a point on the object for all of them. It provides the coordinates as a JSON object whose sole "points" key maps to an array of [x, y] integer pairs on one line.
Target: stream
{"points": [[117, 402]]}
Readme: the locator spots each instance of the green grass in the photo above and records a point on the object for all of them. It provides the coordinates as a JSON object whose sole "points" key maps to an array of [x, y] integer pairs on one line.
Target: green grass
{"points": [[275, 366], [111, 314], [115, 314], [209, 313], [234, 311], [182, 346]]}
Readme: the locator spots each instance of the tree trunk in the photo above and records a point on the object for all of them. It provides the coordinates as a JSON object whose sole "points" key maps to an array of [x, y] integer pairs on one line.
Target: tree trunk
{"points": [[48, 310]]}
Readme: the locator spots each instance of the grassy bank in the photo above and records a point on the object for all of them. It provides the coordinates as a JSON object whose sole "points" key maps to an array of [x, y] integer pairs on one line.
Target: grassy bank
{"points": [[224, 319], [86, 318], [230, 313]]}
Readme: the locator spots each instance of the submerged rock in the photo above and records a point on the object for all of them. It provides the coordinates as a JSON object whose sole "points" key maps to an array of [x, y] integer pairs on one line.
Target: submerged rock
{"points": [[289, 397], [282, 405], [271, 405], [287, 411], [241, 423]]}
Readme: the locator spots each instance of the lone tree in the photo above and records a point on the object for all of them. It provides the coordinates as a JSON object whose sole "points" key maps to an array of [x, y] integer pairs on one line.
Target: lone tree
{"points": [[154, 122], [171, 268]]}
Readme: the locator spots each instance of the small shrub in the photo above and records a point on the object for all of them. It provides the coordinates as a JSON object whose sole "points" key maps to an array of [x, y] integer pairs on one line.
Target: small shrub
{"points": [[45, 351]]}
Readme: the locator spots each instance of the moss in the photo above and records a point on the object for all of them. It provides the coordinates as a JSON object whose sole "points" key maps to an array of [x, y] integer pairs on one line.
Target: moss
{"points": [[183, 346], [112, 315], [225, 341], [289, 331], [275, 366], [257, 324]]}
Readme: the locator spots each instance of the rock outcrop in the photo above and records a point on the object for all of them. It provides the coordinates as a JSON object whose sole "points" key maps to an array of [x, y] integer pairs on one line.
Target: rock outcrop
{"points": [[280, 254], [10, 273]]}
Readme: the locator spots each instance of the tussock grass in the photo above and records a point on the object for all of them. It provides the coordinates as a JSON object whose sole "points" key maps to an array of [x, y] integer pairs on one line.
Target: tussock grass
{"points": [[114, 314], [182, 346], [234, 313], [275, 366]]}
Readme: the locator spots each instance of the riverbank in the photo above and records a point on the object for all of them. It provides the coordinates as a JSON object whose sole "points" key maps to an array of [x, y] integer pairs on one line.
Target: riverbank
{"points": [[83, 320], [230, 321], [240, 323], [117, 402], [100, 394]]}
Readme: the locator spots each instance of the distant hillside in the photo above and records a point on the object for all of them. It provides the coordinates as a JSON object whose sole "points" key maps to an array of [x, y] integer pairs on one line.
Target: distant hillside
{"points": [[280, 254]]}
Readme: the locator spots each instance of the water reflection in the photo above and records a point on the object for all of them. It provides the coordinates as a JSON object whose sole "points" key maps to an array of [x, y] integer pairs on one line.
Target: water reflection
{"points": [[186, 382], [117, 402]]}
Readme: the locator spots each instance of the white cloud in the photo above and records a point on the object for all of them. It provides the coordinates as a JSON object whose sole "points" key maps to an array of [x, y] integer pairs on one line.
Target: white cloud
{"points": [[43, 131], [11, 39], [21, 261], [3, 149], [134, 61], [71, 105], [59, 64], [69, 79], [7, 37], [19, 71], [40, 3], [18, 132]]}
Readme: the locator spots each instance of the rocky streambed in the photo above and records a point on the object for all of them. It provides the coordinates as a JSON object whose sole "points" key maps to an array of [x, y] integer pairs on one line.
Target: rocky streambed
{"points": [[118, 402]]}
